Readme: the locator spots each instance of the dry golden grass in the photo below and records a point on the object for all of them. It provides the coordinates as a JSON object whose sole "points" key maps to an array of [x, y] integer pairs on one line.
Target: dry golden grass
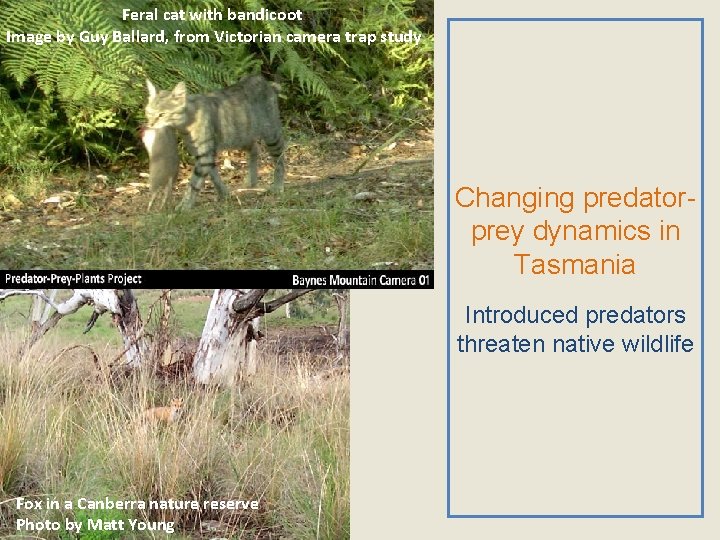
{"points": [[282, 439]]}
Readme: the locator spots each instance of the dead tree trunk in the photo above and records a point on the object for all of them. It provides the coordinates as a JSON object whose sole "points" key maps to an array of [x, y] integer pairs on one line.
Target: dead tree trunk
{"points": [[228, 345], [42, 317], [131, 329], [343, 334], [41, 310], [162, 335], [225, 344]]}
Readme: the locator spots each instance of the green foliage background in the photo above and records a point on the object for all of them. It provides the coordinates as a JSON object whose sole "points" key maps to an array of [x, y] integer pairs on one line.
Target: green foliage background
{"points": [[83, 103]]}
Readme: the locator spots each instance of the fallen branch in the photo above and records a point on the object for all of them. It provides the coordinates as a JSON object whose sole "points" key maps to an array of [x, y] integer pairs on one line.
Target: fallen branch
{"points": [[380, 149], [357, 174]]}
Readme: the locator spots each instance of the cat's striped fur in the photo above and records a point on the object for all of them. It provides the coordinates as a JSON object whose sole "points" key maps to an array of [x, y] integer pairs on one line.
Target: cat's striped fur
{"points": [[161, 144], [232, 118]]}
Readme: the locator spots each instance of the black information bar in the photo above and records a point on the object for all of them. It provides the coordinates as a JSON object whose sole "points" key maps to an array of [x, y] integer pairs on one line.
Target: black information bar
{"points": [[213, 279]]}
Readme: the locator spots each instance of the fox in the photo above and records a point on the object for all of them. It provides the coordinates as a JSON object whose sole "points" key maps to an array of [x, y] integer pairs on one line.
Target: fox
{"points": [[166, 415]]}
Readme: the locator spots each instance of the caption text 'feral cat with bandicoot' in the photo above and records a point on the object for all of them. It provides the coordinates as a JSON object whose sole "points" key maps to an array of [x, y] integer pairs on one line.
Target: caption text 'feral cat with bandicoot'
{"points": [[232, 118]]}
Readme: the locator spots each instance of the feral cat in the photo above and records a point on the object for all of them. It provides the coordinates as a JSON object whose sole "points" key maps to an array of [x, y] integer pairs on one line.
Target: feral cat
{"points": [[161, 144], [232, 118], [164, 414]]}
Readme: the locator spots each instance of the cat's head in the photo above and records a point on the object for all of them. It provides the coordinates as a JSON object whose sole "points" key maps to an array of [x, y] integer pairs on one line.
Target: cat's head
{"points": [[166, 108]]}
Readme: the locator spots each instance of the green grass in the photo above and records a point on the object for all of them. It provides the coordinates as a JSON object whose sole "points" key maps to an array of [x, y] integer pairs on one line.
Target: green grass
{"points": [[308, 227]]}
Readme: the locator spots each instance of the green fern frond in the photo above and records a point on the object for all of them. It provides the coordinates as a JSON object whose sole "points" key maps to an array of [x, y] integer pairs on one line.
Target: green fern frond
{"points": [[69, 99], [297, 70]]}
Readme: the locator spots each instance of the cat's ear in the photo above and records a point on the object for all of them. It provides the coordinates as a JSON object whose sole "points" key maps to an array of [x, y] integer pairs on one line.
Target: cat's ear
{"points": [[151, 88], [179, 90]]}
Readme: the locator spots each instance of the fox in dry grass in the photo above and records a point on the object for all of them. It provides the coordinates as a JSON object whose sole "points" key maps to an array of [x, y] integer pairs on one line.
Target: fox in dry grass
{"points": [[166, 415]]}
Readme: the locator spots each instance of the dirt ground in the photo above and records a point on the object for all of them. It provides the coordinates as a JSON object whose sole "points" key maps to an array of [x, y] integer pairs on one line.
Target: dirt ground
{"points": [[399, 167], [287, 344]]}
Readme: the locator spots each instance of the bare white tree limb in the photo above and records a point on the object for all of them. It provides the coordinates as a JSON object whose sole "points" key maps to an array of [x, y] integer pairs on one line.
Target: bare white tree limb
{"points": [[120, 302], [103, 299], [7, 293]]}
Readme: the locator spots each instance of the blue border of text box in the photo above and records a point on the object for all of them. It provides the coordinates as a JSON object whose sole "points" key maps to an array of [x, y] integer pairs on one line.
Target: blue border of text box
{"points": [[701, 514]]}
